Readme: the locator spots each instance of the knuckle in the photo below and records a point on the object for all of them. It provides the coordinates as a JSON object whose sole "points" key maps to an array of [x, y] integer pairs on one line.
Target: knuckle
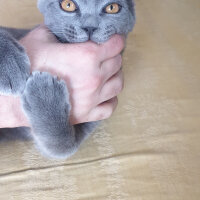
{"points": [[119, 85], [119, 60], [110, 111], [106, 113], [119, 88]]}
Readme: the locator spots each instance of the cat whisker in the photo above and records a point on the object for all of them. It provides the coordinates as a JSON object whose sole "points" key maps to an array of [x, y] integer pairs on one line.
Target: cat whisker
{"points": [[71, 31]]}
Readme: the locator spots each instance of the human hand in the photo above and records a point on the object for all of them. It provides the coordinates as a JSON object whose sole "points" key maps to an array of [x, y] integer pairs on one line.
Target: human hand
{"points": [[92, 72]]}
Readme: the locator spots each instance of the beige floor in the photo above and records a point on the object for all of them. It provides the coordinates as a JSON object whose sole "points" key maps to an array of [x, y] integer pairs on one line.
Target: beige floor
{"points": [[150, 148]]}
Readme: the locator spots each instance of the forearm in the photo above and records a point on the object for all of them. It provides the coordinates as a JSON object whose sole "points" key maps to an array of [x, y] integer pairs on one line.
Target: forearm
{"points": [[11, 114]]}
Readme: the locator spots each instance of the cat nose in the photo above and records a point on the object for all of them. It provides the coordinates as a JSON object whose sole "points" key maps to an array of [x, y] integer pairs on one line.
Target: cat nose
{"points": [[89, 29]]}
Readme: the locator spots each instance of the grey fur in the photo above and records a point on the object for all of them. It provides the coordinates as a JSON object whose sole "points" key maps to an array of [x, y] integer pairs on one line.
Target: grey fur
{"points": [[13, 134], [70, 26], [14, 65], [46, 99]]}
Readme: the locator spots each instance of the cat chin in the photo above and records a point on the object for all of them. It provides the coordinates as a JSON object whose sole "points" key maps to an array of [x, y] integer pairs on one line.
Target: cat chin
{"points": [[81, 40], [94, 38], [67, 40]]}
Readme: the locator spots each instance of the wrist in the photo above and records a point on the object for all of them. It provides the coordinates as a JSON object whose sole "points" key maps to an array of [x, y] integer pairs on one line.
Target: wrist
{"points": [[11, 114]]}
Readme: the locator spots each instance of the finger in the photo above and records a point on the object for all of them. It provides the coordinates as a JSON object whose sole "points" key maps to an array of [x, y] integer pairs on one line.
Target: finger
{"points": [[104, 110], [111, 67], [112, 47], [112, 87]]}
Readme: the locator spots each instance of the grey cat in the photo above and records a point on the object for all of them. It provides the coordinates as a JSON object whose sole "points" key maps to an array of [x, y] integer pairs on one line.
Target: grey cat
{"points": [[45, 98]]}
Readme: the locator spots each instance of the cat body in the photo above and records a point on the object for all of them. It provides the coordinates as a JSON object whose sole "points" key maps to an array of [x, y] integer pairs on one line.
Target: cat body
{"points": [[45, 99]]}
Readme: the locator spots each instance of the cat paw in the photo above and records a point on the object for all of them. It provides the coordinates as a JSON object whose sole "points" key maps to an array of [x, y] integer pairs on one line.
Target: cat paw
{"points": [[14, 66], [45, 97], [46, 103]]}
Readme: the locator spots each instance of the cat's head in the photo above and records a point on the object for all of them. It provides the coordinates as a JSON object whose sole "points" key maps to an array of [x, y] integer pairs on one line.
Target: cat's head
{"points": [[83, 20]]}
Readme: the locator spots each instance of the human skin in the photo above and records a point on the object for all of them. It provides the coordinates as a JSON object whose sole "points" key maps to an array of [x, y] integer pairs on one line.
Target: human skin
{"points": [[92, 73]]}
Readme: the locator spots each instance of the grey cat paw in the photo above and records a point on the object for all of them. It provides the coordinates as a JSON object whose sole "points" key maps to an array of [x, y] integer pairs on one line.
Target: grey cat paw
{"points": [[14, 66], [46, 104], [44, 95]]}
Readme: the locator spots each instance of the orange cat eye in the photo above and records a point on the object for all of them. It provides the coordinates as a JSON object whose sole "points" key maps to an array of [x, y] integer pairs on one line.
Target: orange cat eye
{"points": [[68, 5], [112, 8]]}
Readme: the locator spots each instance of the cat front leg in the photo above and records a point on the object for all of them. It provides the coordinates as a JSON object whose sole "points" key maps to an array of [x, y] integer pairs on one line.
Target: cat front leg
{"points": [[14, 65], [47, 106]]}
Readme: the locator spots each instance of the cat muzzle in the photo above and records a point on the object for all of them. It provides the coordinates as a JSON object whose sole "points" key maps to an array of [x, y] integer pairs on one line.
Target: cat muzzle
{"points": [[89, 30]]}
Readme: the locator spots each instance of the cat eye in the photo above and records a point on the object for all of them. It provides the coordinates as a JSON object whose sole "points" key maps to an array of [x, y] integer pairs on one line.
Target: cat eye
{"points": [[113, 8], [68, 6]]}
